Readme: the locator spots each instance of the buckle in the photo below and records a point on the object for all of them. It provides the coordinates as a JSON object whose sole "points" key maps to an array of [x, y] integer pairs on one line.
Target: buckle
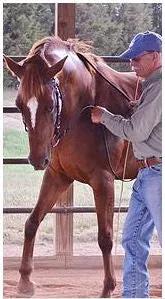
{"points": [[145, 163]]}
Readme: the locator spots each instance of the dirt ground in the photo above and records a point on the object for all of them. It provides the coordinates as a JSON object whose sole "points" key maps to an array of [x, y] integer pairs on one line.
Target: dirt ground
{"points": [[74, 283]]}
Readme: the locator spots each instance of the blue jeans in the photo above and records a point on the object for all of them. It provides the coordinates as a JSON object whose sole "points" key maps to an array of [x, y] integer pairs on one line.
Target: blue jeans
{"points": [[145, 212]]}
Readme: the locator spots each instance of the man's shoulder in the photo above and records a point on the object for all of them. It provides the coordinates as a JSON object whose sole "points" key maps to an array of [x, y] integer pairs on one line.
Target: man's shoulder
{"points": [[151, 93], [154, 85]]}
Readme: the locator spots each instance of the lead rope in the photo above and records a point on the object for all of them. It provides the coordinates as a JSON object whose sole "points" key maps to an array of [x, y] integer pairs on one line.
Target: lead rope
{"points": [[123, 177]]}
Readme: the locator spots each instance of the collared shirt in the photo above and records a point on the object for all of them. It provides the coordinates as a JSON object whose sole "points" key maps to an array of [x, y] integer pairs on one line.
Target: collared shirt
{"points": [[144, 128]]}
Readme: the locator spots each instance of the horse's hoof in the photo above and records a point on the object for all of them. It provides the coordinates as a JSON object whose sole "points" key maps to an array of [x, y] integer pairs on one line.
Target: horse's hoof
{"points": [[25, 289], [106, 293]]}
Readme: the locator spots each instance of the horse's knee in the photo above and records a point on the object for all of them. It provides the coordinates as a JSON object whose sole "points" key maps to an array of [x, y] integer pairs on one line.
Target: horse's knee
{"points": [[105, 243], [30, 229]]}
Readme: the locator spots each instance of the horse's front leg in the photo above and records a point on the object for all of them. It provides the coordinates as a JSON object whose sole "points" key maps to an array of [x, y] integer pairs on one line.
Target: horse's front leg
{"points": [[104, 200], [52, 186]]}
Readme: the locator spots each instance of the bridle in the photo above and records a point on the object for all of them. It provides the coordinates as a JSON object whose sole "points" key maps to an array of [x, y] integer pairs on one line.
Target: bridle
{"points": [[57, 97], [58, 107]]}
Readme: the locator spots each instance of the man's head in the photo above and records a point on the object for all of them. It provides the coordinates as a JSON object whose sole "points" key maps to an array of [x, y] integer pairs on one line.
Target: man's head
{"points": [[144, 52]]}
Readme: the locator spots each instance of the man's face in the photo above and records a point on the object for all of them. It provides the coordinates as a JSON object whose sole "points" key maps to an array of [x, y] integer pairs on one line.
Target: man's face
{"points": [[144, 64]]}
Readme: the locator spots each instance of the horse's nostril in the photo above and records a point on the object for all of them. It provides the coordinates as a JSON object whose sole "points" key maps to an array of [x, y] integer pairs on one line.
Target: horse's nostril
{"points": [[46, 161], [39, 163]]}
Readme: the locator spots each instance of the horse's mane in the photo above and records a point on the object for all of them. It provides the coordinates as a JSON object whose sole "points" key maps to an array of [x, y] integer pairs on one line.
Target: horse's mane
{"points": [[32, 83], [71, 44]]}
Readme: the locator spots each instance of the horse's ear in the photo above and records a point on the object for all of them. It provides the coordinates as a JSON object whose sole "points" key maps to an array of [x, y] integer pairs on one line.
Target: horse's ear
{"points": [[54, 69], [15, 68]]}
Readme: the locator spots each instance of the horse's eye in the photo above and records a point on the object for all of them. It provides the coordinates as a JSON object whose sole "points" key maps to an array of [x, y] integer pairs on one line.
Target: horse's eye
{"points": [[49, 109]]}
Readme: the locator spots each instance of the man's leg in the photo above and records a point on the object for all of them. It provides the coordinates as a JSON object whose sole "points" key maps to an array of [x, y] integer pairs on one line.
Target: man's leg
{"points": [[152, 194], [138, 230]]}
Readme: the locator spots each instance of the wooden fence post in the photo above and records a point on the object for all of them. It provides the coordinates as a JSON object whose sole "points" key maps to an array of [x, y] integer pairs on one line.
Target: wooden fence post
{"points": [[64, 28], [65, 20]]}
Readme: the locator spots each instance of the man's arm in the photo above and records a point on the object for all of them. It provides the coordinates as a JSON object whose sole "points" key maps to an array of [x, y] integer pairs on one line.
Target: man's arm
{"points": [[140, 125]]}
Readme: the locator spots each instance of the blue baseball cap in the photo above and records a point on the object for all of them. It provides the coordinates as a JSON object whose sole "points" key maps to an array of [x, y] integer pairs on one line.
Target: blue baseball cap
{"points": [[143, 42]]}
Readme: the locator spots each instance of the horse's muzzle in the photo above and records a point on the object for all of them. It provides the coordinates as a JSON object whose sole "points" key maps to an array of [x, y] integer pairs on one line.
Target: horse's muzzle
{"points": [[39, 163]]}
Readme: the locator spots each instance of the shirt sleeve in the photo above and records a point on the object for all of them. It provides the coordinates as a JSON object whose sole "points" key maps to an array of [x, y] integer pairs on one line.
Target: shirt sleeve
{"points": [[139, 127]]}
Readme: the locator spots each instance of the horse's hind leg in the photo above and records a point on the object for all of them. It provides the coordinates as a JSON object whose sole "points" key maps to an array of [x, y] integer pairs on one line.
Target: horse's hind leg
{"points": [[52, 186], [104, 200]]}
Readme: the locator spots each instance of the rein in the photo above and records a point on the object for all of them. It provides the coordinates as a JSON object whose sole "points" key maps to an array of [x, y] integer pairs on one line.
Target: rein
{"points": [[82, 57], [123, 180], [85, 59], [106, 144], [127, 150]]}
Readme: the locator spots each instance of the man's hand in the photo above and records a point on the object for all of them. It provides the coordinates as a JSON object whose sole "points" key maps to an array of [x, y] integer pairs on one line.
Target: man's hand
{"points": [[96, 114]]}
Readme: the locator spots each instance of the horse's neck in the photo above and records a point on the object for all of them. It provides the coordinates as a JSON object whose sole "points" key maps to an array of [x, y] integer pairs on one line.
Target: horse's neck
{"points": [[81, 88], [66, 80], [77, 94], [76, 84], [110, 98]]}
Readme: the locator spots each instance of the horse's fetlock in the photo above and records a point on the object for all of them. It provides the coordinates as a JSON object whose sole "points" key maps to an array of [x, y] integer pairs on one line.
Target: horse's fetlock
{"points": [[105, 243], [25, 272], [110, 284]]}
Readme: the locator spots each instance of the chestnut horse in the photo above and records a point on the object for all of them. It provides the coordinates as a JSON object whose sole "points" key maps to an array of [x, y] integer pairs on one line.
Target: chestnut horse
{"points": [[56, 84]]}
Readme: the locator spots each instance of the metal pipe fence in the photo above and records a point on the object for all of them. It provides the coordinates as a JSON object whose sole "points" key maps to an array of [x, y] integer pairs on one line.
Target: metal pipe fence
{"points": [[60, 210]]}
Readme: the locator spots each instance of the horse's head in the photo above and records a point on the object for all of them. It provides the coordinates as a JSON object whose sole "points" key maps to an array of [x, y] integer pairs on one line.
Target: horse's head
{"points": [[39, 102]]}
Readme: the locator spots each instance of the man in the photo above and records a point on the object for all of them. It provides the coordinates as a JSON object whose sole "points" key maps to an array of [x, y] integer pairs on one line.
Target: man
{"points": [[143, 129]]}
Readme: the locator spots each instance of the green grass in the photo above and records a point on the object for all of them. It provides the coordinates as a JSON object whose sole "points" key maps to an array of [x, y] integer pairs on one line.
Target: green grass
{"points": [[21, 182], [15, 144]]}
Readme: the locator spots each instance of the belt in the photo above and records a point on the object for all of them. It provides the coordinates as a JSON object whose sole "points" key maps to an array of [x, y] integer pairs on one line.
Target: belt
{"points": [[148, 162]]}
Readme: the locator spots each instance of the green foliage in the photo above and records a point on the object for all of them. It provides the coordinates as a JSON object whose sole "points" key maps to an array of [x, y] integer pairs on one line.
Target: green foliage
{"points": [[134, 18], [24, 24], [96, 22], [157, 17], [111, 26]]}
